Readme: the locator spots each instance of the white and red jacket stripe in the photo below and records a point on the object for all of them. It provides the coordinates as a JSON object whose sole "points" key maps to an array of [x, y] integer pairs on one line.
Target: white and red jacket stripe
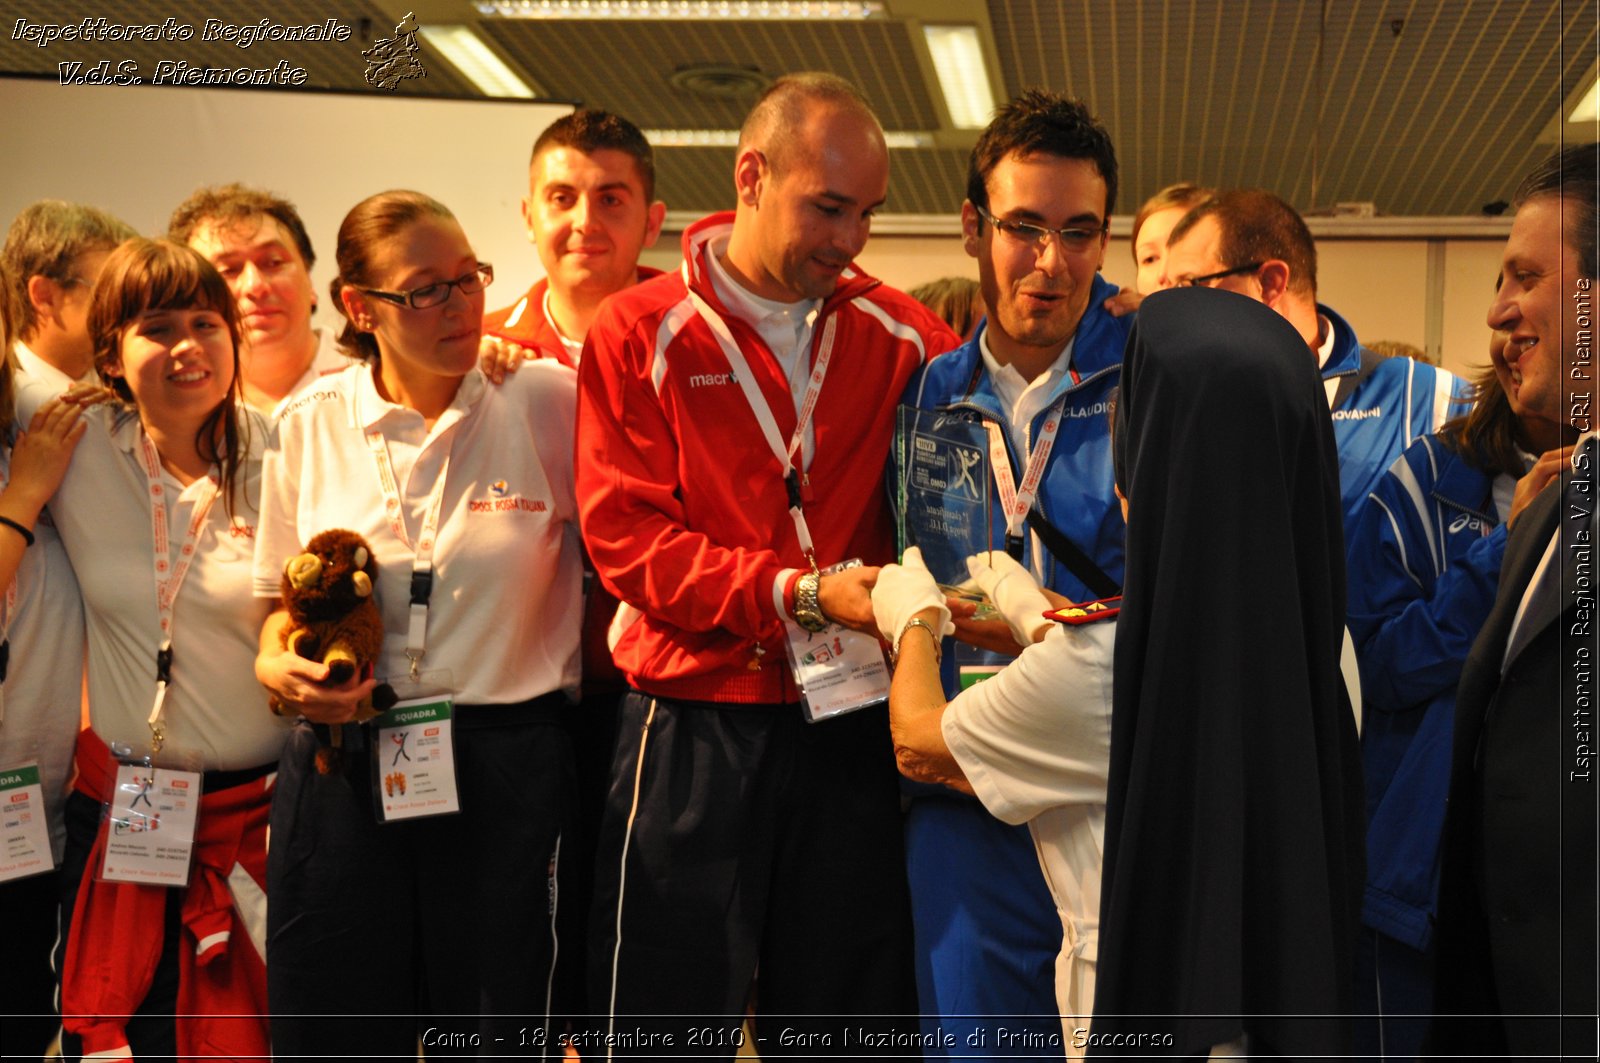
{"points": [[683, 506]]}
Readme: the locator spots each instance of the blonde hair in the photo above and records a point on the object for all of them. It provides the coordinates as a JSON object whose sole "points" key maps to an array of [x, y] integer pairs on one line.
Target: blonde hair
{"points": [[1185, 194]]}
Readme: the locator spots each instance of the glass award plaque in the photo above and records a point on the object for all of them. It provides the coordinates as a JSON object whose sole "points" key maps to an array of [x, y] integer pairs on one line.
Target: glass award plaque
{"points": [[943, 487]]}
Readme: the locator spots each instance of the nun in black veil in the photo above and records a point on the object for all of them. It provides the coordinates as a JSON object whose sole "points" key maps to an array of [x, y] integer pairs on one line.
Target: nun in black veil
{"points": [[1234, 853]]}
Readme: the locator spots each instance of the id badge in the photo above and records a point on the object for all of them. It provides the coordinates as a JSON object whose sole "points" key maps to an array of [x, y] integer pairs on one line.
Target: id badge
{"points": [[837, 670], [24, 827], [414, 760], [150, 822]]}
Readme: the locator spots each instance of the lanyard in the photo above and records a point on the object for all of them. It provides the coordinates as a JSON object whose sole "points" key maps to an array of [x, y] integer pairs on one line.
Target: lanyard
{"points": [[422, 562], [169, 577], [1015, 500], [796, 480]]}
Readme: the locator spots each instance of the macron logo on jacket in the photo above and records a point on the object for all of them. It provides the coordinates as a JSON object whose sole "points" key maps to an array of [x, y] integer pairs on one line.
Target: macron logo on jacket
{"points": [[711, 380]]}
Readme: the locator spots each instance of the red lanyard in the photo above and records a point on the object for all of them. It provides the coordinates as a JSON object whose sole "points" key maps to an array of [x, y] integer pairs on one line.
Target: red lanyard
{"points": [[1015, 501]]}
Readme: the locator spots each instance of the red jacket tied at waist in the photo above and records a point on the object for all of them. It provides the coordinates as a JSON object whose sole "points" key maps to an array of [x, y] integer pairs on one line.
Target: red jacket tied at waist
{"points": [[116, 934]]}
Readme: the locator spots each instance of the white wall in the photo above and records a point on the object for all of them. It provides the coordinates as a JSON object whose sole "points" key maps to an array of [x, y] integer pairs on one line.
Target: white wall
{"points": [[139, 152]]}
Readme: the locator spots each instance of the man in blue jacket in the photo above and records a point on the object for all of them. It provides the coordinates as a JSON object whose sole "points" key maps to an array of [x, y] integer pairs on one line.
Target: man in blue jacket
{"points": [[1038, 374], [1250, 241]]}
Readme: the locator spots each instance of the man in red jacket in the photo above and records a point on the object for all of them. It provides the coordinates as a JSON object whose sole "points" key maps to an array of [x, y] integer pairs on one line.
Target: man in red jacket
{"points": [[589, 212], [733, 427]]}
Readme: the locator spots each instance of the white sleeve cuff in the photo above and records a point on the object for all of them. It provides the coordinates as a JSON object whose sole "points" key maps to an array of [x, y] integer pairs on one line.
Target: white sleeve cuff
{"points": [[777, 593]]}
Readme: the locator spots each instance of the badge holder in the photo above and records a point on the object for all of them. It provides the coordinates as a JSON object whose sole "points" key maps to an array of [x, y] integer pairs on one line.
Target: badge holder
{"points": [[837, 670], [413, 750], [24, 825], [150, 816]]}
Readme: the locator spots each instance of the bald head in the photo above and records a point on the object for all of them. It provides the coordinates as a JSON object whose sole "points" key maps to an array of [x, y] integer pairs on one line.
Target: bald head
{"points": [[778, 123], [811, 171]]}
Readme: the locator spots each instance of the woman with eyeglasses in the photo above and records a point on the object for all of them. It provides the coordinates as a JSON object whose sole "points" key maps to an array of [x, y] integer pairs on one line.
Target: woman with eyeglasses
{"points": [[380, 910], [160, 952]]}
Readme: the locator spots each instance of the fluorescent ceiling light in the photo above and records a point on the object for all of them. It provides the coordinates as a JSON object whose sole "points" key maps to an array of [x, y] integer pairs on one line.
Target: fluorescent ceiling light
{"points": [[468, 54], [685, 10], [963, 78], [1588, 108], [729, 138]]}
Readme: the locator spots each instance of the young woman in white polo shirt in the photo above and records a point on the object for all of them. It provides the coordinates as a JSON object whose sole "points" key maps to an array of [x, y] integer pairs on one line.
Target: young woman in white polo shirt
{"points": [[465, 493], [157, 515]]}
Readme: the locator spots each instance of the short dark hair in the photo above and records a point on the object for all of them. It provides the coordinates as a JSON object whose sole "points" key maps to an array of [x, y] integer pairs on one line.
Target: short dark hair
{"points": [[591, 131], [236, 204], [43, 240], [1572, 175], [1256, 226], [143, 275], [779, 113], [1042, 123]]}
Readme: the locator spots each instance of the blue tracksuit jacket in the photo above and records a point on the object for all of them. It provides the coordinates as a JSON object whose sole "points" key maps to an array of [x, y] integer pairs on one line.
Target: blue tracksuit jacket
{"points": [[1424, 561]]}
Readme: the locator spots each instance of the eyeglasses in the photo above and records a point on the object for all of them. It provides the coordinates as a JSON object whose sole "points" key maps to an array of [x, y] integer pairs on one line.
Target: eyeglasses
{"points": [[436, 294], [1196, 282], [1074, 239]]}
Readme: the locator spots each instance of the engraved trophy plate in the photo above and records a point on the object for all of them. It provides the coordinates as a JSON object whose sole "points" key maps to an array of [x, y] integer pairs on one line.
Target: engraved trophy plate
{"points": [[943, 495]]}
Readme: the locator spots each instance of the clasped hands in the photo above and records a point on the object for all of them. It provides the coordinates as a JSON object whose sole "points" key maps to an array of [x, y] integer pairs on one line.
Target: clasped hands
{"points": [[903, 591]]}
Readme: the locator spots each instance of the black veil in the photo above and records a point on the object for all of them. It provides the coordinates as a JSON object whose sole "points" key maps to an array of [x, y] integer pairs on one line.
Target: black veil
{"points": [[1234, 849]]}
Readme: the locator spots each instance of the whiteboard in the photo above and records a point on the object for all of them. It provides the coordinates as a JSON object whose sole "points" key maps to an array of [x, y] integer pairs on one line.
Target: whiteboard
{"points": [[140, 151]]}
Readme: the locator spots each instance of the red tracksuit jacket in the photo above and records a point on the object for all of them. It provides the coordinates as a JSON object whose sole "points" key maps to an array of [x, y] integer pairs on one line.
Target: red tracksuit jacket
{"points": [[683, 506]]}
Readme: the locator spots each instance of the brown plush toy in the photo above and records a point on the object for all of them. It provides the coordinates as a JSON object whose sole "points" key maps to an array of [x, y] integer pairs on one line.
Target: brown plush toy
{"points": [[333, 618]]}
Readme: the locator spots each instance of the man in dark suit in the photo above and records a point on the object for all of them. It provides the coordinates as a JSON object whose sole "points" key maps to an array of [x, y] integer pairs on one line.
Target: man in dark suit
{"points": [[1517, 923]]}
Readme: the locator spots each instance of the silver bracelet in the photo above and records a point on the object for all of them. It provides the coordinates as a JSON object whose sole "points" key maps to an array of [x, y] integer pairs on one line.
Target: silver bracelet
{"points": [[917, 621]]}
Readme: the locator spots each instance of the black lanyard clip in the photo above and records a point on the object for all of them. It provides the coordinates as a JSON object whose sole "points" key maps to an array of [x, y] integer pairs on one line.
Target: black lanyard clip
{"points": [[421, 587], [164, 665]]}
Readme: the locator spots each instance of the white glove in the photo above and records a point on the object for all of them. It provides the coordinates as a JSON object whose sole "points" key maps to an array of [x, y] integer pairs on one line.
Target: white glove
{"points": [[1014, 593], [903, 591]]}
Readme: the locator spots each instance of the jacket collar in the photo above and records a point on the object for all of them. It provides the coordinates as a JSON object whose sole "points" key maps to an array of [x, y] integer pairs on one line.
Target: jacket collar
{"points": [[1346, 356], [1460, 484], [716, 229], [1096, 347]]}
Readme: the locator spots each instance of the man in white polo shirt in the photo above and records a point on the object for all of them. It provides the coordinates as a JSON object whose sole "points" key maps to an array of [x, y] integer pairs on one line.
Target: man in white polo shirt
{"points": [[53, 253], [258, 243]]}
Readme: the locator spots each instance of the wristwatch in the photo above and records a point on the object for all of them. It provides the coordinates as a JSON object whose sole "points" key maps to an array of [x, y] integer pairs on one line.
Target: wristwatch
{"points": [[807, 610]]}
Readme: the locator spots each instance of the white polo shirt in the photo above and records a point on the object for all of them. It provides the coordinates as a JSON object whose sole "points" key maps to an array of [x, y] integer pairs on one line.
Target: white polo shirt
{"points": [[42, 701], [506, 608], [43, 686], [31, 368], [1034, 740], [329, 359], [214, 706]]}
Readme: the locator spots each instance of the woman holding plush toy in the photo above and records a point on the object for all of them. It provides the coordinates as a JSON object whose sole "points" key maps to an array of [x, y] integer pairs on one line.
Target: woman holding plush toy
{"points": [[387, 902], [172, 472]]}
